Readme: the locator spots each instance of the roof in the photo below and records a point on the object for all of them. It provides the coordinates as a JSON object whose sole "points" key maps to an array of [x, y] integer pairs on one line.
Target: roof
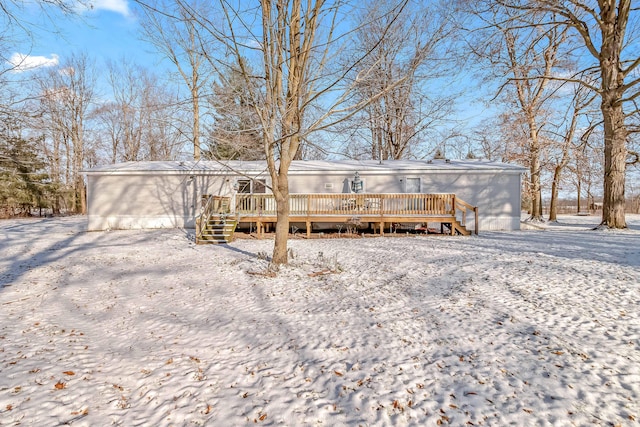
{"points": [[304, 167]]}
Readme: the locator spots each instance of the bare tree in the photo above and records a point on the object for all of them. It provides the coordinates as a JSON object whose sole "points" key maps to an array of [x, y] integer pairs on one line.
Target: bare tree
{"points": [[17, 30], [290, 52], [586, 166], [608, 32], [493, 144], [409, 46], [515, 142], [139, 123], [128, 84], [172, 30], [14, 25], [569, 143], [527, 56], [291, 45], [164, 140], [110, 126], [67, 96]]}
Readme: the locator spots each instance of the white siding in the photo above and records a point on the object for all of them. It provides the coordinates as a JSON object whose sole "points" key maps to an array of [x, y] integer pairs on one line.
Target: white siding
{"points": [[168, 194], [498, 223], [147, 201]]}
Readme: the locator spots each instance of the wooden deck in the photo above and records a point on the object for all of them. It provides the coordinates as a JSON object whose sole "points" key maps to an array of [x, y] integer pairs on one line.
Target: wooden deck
{"points": [[380, 210]]}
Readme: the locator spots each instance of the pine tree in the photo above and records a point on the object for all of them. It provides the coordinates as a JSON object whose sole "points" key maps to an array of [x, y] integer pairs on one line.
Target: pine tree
{"points": [[236, 133], [23, 183]]}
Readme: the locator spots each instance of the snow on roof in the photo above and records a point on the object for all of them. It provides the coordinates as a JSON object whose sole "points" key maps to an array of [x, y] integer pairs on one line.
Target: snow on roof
{"points": [[304, 167]]}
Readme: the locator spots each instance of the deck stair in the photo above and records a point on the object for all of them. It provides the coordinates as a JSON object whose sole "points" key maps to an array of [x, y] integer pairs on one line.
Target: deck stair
{"points": [[215, 224], [455, 228], [218, 229]]}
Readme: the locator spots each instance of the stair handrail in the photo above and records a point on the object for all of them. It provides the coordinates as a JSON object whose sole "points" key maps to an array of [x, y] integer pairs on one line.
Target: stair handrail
{"points": [[463, 207], [205, 214]]}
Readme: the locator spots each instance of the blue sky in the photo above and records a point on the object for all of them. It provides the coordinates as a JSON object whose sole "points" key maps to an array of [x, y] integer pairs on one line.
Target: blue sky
{"points": [[110, 31], [107, 31]]}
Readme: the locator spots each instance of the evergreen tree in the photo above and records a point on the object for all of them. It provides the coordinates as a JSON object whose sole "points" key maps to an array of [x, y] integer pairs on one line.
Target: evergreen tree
{"points": [[236, 133], [23, 183]]}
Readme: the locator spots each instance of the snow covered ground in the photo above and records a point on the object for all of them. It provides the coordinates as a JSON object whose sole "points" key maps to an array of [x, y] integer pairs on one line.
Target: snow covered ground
{"points": [[529, 328]]}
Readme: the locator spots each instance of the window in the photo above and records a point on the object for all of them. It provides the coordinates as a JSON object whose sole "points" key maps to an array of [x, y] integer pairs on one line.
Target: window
{"points": [[244, 186], [248, 186], [412, 185], [260, 186]]}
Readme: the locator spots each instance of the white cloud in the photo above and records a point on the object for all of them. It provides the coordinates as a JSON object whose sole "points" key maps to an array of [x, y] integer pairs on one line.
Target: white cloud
{"points": [[21, 62], [117, 6]]}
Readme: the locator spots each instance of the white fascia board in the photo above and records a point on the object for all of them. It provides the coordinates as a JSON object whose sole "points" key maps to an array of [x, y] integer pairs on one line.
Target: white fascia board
{"points": [[378, 172], [175, 168], [256, 168]]}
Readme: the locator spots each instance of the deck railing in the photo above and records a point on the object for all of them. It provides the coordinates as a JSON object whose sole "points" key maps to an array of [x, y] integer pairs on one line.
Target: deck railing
{"points": [[461, 209], [388, 204]]}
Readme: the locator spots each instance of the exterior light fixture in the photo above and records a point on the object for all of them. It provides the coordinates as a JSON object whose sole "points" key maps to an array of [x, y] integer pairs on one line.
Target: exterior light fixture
{"points": [[356, 185]]}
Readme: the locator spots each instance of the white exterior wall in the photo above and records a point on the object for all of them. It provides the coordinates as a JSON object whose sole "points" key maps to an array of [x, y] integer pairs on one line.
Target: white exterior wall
{"points": [[137, 201], [165, 195], [497, 194]]}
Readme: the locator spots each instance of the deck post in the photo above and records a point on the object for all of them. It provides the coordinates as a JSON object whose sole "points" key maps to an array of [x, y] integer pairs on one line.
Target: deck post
{"points": [[308, 229], [259, 227], [475, 229], [382, 207]]}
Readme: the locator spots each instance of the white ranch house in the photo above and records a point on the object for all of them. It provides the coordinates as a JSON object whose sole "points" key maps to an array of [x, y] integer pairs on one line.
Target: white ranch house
{"points": [[173, 193]]}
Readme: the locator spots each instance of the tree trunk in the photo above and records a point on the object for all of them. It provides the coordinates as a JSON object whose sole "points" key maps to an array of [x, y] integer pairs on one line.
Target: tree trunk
{"points": [[612, 91], [553, 206], [615, 158], [56, 203], [83, 197], [536, 196], [536, 192], [579, 194], [280, 254], [196, 120], [557, 171], [80, 205]]}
